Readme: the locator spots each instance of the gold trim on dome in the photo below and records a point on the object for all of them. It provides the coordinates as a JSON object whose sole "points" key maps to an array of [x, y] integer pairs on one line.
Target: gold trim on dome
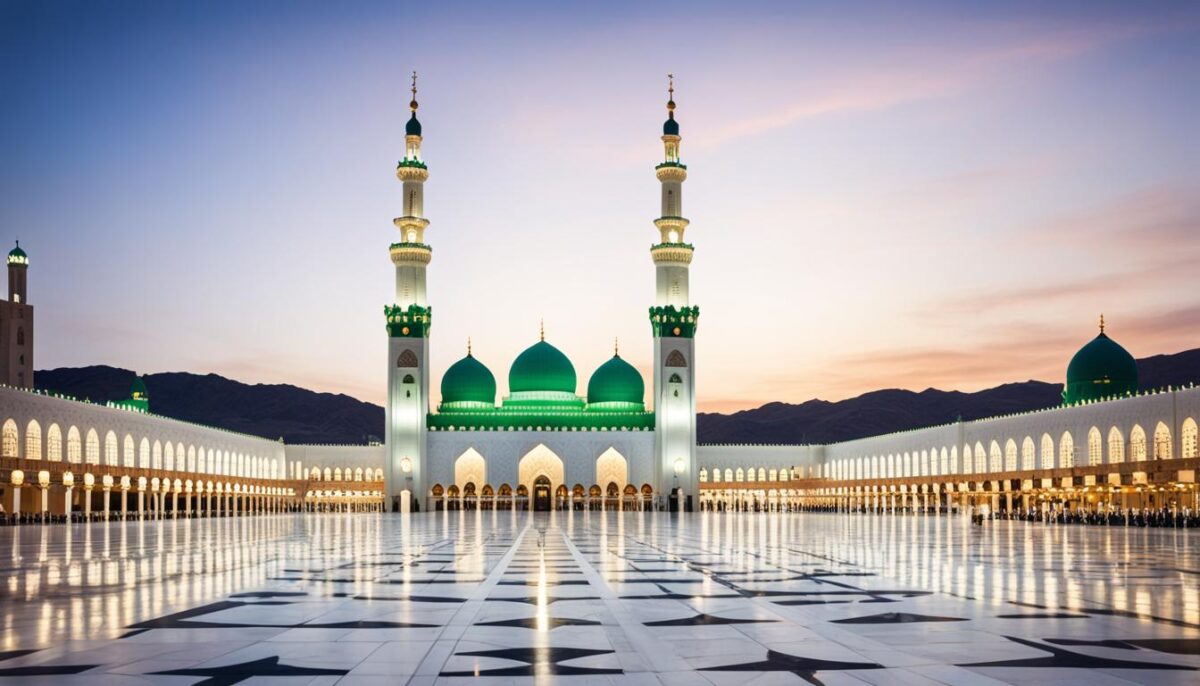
{"points": [[679, 254]]}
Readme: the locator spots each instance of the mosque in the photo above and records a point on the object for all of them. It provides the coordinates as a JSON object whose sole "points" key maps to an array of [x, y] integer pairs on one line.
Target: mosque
{"points": [[544, 446]]}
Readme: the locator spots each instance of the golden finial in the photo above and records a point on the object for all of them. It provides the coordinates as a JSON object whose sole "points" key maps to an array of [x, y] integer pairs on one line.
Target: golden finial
{"points": [[468, 346], [542, 329], [1101, 322], [413, 105], [616, 347], [670, 92]]}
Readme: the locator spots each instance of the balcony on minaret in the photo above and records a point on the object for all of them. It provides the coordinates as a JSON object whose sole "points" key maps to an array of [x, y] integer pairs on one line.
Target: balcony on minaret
{"points": [[412, 169], [410, 322]]}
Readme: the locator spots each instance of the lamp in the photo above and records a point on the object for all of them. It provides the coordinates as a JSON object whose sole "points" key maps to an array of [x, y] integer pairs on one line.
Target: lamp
{"points": [[678, 466], [406, 465]]}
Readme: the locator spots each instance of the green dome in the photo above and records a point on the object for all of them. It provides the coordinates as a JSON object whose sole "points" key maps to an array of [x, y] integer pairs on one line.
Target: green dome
{"points": [[138, 389], [17, 255], [542, 367], [616, 381], [1101, 369], [468, 380], [413, 127], [670, 126]]}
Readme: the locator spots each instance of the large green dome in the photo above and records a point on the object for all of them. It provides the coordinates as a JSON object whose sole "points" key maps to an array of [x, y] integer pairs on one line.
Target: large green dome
{"points": [[542, 367], [468, 381], [1101, 369], [616, 381]]}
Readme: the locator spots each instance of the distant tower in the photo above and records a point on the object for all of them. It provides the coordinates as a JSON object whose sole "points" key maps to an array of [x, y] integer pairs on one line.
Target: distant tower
{"points": [[16, 325], [408, 327], [673, 321]]}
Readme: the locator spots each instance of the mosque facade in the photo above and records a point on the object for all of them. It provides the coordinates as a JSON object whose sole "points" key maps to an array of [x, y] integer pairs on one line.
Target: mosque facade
{"points": [[545, 445]]}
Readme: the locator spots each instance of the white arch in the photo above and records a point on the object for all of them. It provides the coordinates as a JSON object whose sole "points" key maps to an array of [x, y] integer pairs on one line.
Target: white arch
{"points": [[612, 467], [110, 449], [541, 461], [54, 444], [1162, 442], [1187, 439], [33, 440], [470, 467], [1116, 446]]}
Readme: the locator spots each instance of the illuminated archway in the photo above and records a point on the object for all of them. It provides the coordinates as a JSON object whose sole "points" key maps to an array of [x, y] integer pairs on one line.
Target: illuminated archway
{"points": [[541, 461], [470, 467]]}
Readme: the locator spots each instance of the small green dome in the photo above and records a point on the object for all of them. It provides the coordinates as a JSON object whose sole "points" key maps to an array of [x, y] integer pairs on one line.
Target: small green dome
{"points": [[138, 389], [670, 126], [542, 367], [17, 255], [413, 127], [468, 380], [1101, 369], [616, 381]]}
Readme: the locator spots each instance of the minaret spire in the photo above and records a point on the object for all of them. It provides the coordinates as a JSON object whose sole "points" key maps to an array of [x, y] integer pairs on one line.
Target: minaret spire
{"points": [[1101, 322]]}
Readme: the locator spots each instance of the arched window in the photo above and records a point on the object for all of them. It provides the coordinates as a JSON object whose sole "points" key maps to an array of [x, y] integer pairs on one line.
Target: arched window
{"points": [[91, 453], [740, 475], [407, 359], [156, 455], [1095, 447], [74, 446], [1137, 444], [1116, 446], [191, 458], [704, 475], [1028, 454], [110, 448], [1162, 442], [1188, 437], [750, 474], [954, 459], [980, 458], [995, 458], [1010, 456], [675, 359], [945, 461], [1066, 451], [169, 458], [968, 465], [144, 453], [1047, 452], [9, 440], [762, 474], [33, 440], [128, 458], [408, 378], [54, 444]]}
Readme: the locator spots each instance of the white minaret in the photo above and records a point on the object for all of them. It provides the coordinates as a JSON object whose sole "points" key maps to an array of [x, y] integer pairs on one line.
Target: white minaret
{"points": [[673, 321], [408, 330]]}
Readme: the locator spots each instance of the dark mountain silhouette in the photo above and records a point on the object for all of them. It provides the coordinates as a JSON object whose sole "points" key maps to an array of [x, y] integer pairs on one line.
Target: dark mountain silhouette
{"points": [[302, 416], [272, 411]]}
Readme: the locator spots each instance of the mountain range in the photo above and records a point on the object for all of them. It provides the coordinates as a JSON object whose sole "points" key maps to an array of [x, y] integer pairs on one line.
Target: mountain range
{"points": [[299, 415]]}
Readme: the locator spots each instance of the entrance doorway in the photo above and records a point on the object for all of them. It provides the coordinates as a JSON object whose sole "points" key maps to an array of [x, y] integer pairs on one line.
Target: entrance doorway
{"points": [[541, 494]]}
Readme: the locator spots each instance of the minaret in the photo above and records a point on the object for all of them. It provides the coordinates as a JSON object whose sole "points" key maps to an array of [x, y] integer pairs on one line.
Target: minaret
{"points": [[16, 325], [408, 322], [673, 321]]}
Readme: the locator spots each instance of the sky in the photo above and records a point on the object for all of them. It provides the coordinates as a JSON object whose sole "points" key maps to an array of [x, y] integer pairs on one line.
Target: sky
{"points": [[881, 195]]}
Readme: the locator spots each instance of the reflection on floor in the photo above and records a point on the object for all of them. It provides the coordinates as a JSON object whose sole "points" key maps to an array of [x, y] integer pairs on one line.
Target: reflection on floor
{"points": [[592, 597]]}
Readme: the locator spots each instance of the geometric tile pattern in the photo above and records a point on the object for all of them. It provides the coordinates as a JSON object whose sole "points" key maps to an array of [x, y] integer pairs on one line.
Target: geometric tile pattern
{"points": [[606, 598]]}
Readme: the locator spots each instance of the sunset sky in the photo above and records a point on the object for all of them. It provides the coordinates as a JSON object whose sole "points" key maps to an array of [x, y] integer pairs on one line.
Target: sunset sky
{"points": [[939, 195]]}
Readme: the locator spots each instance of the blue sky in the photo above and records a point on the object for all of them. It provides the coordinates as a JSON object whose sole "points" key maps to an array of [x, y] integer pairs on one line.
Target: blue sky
{"points": [[929, 195]]}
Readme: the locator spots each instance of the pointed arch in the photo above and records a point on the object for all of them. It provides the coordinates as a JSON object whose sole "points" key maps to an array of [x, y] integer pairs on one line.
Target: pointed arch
{"points": [[1116, 446], [1010, 456], [407, 359], [54, 444], [675, 359], [128, 452], [968, 464], [1066, 451], [144, 453], [540, 461], [995, 458], [470, 467], [169, 458], [91, 452], [1187, 439], [10, 441], [33, 440], [1028, 454], [612, 467], [1095, 447], [74, 446], [110, 448], [1163, 450], [1047, 452], [1137, 444]]}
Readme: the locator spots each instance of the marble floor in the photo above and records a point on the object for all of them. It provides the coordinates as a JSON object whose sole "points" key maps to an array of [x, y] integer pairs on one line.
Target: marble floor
{"points": [[598, 598]]}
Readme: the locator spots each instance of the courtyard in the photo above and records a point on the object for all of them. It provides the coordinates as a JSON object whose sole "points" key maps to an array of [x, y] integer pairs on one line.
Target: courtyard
{"points": [[598, 597]]}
